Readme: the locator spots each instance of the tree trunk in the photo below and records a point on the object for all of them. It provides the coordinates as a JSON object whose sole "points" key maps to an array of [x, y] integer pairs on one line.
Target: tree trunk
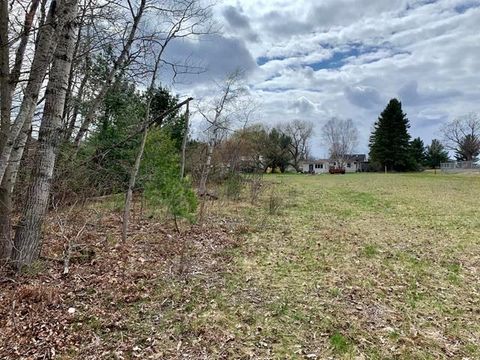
{"points": [[47, 40], [27, 238], [76, 107], [184, 141], [5, 224], [118, 65], [6, 104], [7, 188], [202, 189], [132, 180]]}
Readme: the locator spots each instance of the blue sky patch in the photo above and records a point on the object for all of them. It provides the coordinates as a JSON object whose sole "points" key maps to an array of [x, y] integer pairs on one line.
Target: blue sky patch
{"points": [[461, 9]]}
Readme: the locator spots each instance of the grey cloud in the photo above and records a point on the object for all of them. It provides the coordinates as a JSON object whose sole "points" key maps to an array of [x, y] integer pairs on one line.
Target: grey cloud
{"points": [[219, 55], [237, 21], [281, 23], [342, 12], [363, 96], [410, 95], [235, 18]]}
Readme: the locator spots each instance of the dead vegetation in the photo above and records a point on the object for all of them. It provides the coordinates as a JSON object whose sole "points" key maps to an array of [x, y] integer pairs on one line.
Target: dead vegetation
{"points": [[114, 293], [357, 267]]}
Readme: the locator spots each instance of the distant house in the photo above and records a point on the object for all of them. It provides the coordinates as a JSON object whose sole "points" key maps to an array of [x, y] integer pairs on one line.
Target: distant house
{"points": [[316, 166], [353, 163], [359, 161]]}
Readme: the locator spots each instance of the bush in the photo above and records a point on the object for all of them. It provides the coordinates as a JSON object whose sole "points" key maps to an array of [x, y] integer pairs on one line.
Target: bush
{"points": [[233, 185], [275, 202], [161, 172], [256, 184]]}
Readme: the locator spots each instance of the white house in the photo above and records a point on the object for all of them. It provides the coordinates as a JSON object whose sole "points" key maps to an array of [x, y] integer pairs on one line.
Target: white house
{"points": [[353, 163], [316, 166]]}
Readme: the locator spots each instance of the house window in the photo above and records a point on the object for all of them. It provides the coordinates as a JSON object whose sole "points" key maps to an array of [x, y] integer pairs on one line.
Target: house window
{"points": [[349, 165], [318, 166]]}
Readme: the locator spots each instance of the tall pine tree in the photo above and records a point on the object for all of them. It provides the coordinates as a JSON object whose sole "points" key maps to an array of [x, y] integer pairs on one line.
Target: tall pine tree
{"points": [[390, 140]]}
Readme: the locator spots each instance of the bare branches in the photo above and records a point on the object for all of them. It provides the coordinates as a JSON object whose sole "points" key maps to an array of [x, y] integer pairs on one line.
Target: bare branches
{"points": [[218, 114], [299, 132], [138, 48], [462, 135], [341, 136]]}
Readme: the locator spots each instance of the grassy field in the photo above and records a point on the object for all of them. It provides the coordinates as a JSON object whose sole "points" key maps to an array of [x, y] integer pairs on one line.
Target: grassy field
{"points": [[357, 266], [360, 266]]}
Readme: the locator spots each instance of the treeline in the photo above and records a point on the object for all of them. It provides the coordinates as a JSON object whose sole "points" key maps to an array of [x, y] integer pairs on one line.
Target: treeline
{"points": [[392, 149], [256, 148]]}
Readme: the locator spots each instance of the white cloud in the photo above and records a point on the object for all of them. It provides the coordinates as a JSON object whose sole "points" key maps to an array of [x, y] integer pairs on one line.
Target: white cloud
{"points": [[347, 58]]}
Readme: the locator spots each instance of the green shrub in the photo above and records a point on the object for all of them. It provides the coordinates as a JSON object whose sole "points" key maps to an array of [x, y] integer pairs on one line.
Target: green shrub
{"points": [[162, 183], [233, 185]]}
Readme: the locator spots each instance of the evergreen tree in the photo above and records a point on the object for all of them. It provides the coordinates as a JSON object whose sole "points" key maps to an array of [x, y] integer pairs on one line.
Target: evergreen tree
{"points": [[390, 140], [174, 124], [160, 174], [468, 149], [276, 150], [435, 154], [417, 152]]}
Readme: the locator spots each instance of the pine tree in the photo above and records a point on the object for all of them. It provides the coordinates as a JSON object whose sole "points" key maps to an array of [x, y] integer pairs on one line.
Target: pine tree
{"points": [[468, 149], [435, 154], [417, 151], [390, 140]]}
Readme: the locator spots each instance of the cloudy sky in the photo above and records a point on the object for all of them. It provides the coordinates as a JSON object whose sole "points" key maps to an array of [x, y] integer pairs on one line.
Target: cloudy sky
{"points": [[315, 59]]}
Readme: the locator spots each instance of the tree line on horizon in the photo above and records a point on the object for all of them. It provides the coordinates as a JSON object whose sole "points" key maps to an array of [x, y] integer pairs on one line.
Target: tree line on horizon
{"points": [[392, 149]]}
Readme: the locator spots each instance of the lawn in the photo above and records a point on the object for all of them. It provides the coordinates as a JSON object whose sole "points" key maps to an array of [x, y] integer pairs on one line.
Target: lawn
{"points": [[357, 266]]}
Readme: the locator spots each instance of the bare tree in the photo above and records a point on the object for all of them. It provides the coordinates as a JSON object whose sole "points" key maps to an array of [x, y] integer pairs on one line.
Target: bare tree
{"points": [[300, 132], [118, 65], [47, 40], [154, 25], [182, 23], [27, 238], [462, 135], [341, 137], [219, 114], [14, 136]]}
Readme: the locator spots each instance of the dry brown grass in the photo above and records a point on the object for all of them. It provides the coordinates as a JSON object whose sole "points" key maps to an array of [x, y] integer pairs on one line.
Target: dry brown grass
{"points": [[364, 266]]}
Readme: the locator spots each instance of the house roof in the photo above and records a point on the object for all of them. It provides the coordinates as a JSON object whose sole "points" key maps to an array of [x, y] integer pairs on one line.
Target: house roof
{"points": [[318, 161], [357, 157]]}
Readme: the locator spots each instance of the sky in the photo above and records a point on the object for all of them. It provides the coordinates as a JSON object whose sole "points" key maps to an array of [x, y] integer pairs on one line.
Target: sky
{"points": [[320, 59]]}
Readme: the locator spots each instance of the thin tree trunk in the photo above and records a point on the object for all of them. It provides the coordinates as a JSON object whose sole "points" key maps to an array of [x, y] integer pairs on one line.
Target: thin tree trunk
{"points": [[17, 156], [6, 193], [5, 108], [184, 141], [22, 47], [202, 189], [27, 238], [133, 178], [71, 75], [76, 107]]}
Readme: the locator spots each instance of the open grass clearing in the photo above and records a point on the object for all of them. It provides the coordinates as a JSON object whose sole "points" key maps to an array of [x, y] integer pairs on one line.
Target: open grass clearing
{"points": [[361, 266]]}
